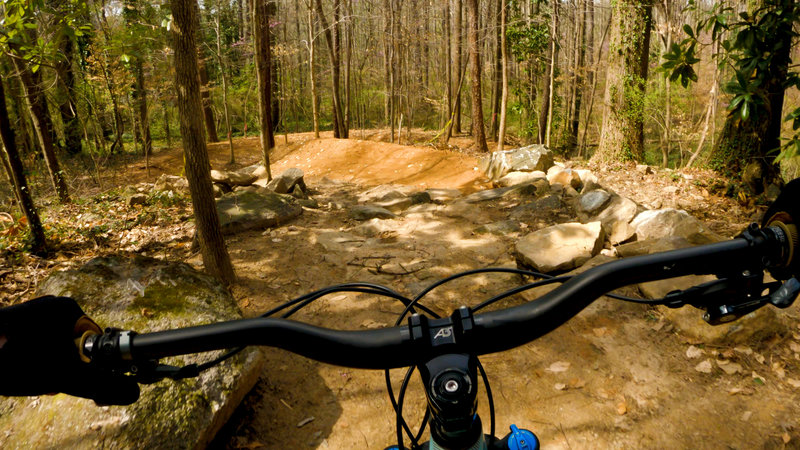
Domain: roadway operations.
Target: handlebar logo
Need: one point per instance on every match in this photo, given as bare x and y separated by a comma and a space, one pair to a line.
443, 333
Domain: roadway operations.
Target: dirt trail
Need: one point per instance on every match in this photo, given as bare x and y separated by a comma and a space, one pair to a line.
628, 382
616, 376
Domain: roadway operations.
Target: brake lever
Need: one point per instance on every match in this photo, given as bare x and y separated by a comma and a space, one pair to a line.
736, 302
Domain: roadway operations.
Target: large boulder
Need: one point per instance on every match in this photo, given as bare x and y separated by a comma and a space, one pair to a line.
515, 178
285, 182
171, 183
560, 247
592, 202
145, 295
232, 178
523, 159
255, 208
665, 222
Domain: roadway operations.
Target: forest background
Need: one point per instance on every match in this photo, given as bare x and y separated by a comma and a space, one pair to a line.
668, 83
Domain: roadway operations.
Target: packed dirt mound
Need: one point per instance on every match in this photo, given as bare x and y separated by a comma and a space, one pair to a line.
373, 163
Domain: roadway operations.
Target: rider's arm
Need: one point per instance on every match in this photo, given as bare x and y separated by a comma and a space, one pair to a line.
39, 355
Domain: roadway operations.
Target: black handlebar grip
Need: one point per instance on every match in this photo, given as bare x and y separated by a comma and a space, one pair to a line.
785, 214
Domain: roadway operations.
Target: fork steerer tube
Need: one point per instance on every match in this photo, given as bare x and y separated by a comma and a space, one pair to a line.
423, 339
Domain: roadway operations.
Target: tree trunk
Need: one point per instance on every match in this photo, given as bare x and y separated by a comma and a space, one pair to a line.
212, 245
37, 105
311, 76
497, 77
331, 38
67, 106
274, 73
448, 59
222, 70
501, 131
20, 184
475, 62
755, 139
205, 89
622, 136
552, 77
261, 36
457, 33
577, 91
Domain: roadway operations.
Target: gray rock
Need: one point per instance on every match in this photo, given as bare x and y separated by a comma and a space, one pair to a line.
665, 222
395, 205
137, 199
249, 209
420, 197
500, 228
489, 194
367, 212
593, 201
443, 195
297, 192
560, 247
218, 192
527, 210
286, 181
515, 178
144, 295
171, 183
644, 169
232, 178
524, 159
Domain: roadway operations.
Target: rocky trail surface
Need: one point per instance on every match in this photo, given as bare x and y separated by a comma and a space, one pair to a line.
619, 375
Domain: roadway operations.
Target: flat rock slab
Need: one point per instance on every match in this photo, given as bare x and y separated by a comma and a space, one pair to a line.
523, 159
233, 178
443, 195
245, 210
489, 194
560, 247
592, 202
145, 295
515, 178
367, 212
665, 222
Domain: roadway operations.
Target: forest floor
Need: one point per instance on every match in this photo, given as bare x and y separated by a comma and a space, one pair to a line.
617, 376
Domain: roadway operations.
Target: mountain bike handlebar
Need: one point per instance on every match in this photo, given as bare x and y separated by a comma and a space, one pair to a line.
739, 259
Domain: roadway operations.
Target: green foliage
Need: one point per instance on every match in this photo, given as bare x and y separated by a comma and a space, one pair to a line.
18, 27
752, 41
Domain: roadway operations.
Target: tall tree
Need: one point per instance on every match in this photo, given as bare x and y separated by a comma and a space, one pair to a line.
458, 59
208, 111
133, 22
212, 245
67, 105
42, 123
475, 63
332, 38
501, 133
23, 193
261, 37
622, 136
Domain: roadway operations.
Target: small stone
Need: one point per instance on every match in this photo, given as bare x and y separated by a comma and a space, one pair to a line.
704, 367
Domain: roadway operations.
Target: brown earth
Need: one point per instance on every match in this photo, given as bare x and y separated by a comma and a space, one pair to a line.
616, 376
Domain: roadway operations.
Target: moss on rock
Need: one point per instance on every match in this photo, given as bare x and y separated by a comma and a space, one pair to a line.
141, 294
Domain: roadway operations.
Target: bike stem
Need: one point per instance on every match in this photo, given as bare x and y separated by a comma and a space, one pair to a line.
450, 382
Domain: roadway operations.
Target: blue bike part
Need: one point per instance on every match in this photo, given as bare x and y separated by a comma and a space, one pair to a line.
522, 439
